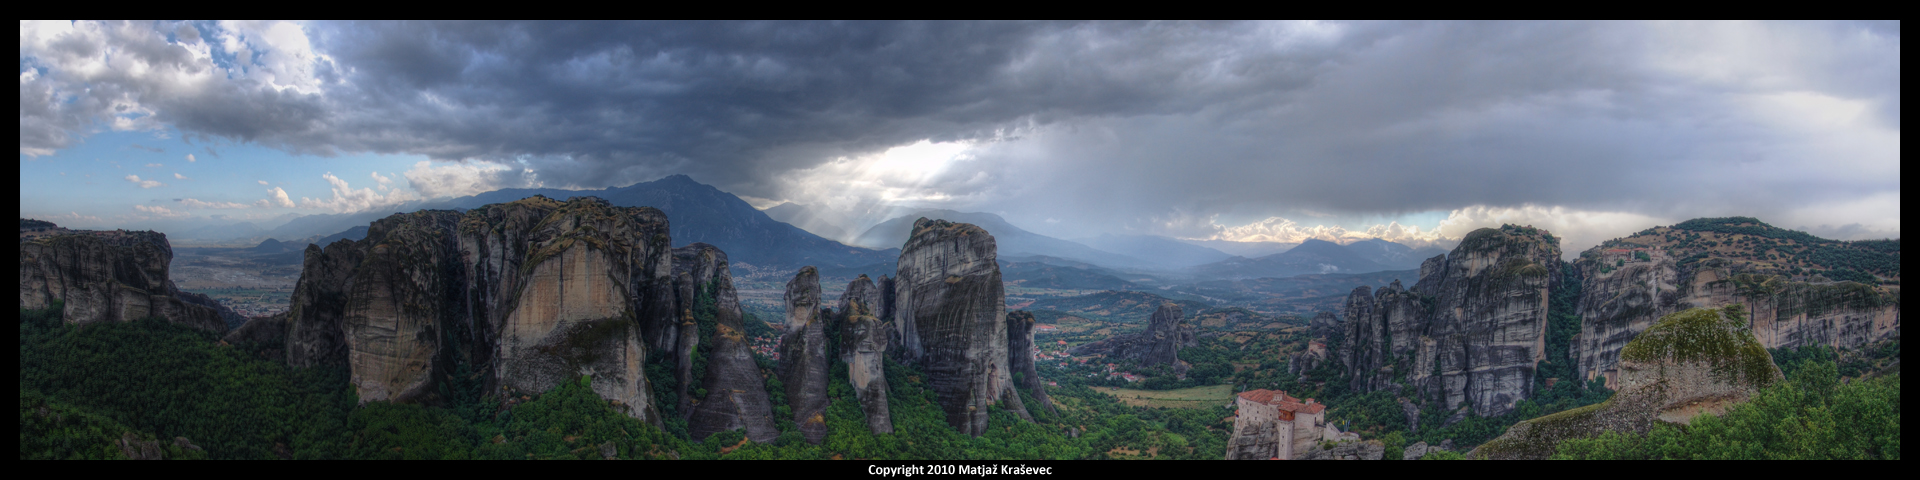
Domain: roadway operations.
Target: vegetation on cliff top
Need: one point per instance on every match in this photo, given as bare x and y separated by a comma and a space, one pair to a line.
1812, 416
1719, 338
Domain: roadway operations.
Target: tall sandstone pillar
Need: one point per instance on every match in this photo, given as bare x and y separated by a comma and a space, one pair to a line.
863, 342
803, 355
950, 312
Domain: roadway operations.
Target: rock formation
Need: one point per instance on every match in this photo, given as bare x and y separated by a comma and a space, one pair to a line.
1159, 344
396, 308
1313, 357
108, 276
950, 312
803, 355
527, 293
565, 289
1689, 363
1619, 301
1470, 332
319, 301
736, 393
863, 342
1349, 450
1020, 352
1323, 325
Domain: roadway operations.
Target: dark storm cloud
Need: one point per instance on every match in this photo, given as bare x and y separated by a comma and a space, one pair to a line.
1153, 126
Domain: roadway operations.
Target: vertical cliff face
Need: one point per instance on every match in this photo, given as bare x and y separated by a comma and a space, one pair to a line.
1623, 295
565, 289
803, 355
1489, 319
1020, 352
1363, 333
529, 293
736, 393
950, 311
109, 276
1471, 331
686, 336
395, 308
863, 340
315, 334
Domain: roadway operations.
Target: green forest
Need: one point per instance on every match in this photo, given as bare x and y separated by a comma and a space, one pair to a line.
83, 388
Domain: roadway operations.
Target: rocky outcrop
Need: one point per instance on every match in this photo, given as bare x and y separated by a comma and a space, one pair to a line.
803, 355
319, 302
108, 276
1421, 449
526, 294
863, 342
1364, 450
1315, 355
1623, 294
1020, 352
396, 305
1323, 325
561, 289
1470, 332
736, 393
1689, 363
950, 312
1160, 344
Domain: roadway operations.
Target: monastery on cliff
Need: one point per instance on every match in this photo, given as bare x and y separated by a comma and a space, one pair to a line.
1271, 425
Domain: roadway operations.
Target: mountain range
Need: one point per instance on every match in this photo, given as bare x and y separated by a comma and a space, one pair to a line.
768, 238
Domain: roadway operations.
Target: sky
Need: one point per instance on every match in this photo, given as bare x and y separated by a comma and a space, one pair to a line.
1263, 131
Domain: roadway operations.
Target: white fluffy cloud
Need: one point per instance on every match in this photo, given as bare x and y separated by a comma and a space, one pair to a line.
346, 199
178, 176
135, 179
190, 158
1282, 230
1578, 229
262, 182
194, 203
161, 212
279, 199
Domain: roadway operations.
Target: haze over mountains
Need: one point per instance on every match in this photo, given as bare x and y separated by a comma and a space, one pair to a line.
756, 238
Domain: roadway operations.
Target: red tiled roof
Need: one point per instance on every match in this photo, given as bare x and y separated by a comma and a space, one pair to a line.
1280, 399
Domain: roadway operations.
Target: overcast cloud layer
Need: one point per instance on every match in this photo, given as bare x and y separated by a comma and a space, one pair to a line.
1245, 131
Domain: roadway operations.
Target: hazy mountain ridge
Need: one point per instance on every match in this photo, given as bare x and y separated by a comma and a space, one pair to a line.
1312, 256
1163, 251
1014, 241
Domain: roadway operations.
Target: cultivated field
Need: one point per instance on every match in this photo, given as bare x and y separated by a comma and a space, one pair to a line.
1210, 396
